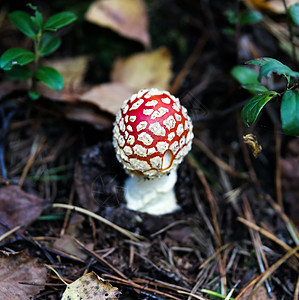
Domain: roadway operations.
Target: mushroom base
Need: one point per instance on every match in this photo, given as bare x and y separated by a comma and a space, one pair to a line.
154, 196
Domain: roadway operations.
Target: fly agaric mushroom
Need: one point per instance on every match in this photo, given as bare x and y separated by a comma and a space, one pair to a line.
151, 135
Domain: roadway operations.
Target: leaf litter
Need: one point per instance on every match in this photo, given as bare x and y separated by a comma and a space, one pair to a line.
216, 244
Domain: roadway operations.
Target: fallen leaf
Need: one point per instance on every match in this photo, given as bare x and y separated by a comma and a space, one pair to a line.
90, 286
18, 208
72, 70
252, 141
275, 6
261, 294
89, 115
108, 96
127, 17
67, 244
144, 70
20, 268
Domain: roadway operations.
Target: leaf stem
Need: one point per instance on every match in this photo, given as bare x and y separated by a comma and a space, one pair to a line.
290, 28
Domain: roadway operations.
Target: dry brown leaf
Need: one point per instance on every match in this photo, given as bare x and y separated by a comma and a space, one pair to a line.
89, 115
90, 286
20, 268
144, 70
67, 244
72, 70
127, 17
18, 208
261, 294
275, 6
108, 96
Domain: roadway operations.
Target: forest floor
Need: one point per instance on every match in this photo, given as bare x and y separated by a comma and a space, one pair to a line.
234, 236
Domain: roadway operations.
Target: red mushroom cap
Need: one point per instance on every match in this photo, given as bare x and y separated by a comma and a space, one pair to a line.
152, 133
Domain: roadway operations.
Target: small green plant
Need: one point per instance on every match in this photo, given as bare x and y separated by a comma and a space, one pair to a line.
289, 109
15, 61
250, 80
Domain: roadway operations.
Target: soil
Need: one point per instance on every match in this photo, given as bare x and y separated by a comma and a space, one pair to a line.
206, 244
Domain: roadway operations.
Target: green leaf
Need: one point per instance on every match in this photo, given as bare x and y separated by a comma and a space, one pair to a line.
244, 75
255, 88
19, 72
289, 111
24, 23
59, 20
15, 56
50, 77
269, 65
49, 44
250, 17
231, 16
294, 13
248, 78
38, 19
253, 107
33, 95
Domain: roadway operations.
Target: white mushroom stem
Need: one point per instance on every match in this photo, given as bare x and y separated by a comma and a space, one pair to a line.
154, 196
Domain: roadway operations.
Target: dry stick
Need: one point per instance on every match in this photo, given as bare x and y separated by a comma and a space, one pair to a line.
191, 295
188, 65
278, 167
135, 285
261, 278
257, 243
296, 293
203, 214
36, 147
221, 164
103, 260
213, 208
223, 280
212, 201
169, 226
271, 270
8, 233
214, 255
290, 225
133, 236
267, 234
68, 212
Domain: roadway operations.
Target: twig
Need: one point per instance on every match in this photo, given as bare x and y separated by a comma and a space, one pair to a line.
272, 269
135, 285
188, 65
257, 244
103, 260
278, 167
36, 147
68, 212
135, 237
8, 233
290, 225
212, 201
221, 164
175, 223
191, 295
203, 214
261, 278
267, 234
